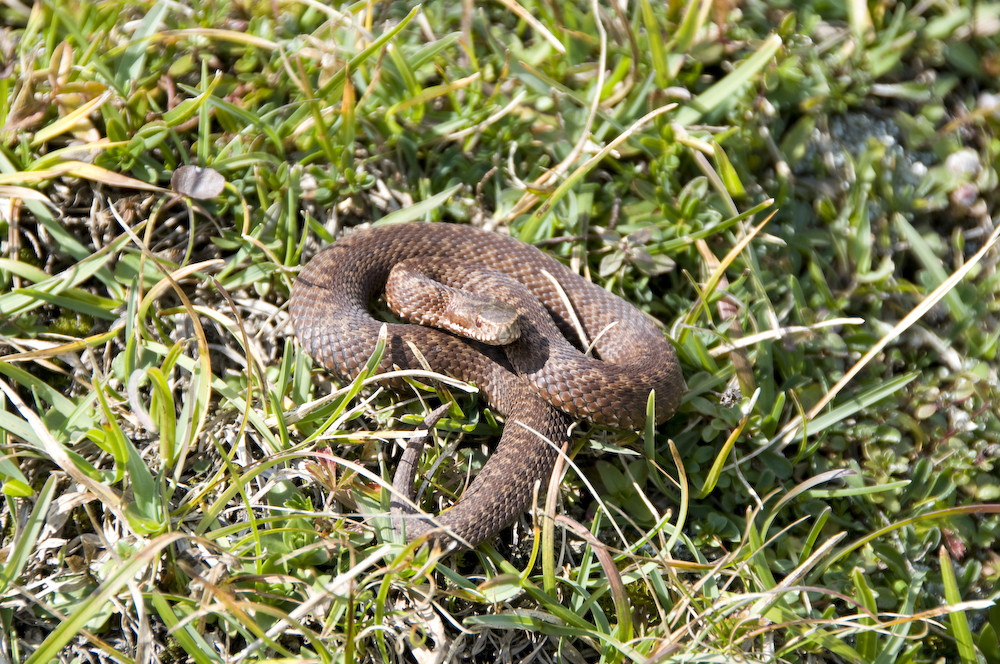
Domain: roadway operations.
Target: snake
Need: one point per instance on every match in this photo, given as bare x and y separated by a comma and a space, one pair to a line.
567, 350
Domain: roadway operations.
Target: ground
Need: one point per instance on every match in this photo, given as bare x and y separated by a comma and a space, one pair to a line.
803, 194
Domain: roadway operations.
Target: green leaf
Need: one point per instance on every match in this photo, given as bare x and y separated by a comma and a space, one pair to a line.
26, 536
133, 61
729, 87
69, 628
187, 636
418, 211
857, 403
866, 642
930, 262
187, 109
958, 620
146, 513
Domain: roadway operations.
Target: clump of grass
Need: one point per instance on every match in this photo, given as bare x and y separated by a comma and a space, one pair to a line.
804, 200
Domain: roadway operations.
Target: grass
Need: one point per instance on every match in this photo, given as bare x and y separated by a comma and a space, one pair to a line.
805, 199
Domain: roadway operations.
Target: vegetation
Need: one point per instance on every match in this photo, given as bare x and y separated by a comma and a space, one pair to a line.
803, 194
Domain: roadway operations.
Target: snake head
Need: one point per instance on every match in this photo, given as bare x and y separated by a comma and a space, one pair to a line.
483, 319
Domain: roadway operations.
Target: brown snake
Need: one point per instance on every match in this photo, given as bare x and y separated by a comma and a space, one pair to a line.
539, 381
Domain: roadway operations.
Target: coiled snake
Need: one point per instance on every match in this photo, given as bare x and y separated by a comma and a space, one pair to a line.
540, 380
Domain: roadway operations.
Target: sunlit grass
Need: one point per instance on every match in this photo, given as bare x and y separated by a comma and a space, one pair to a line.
803, 199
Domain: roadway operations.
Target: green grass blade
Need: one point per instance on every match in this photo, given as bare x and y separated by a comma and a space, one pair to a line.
865, 642
70, 628
728, 87
25, 540
418, 211
958, 620
855, 404
190, 640
131, 66
928, 259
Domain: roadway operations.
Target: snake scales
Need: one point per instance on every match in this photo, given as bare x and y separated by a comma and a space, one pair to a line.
539, 381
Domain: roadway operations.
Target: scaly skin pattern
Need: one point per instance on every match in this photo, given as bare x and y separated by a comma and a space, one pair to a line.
540, 381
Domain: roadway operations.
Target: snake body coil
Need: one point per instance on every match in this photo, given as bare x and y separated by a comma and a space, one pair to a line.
539, 381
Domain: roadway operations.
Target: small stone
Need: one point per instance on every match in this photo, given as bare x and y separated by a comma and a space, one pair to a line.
964, 162
988, 102
197, 182
964, 195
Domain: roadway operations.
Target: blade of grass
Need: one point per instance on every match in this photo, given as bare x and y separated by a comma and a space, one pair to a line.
865, 642
716, 470
928, 259
728, 87
419, 210
26, 537
530, 229
959, 621
57, 639
69, 121
920, 518
81, 170
133, 61
657, 50
186, 635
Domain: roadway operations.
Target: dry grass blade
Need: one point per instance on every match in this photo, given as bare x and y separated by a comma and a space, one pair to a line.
529, 199
782, 333
81, 170
535, 24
